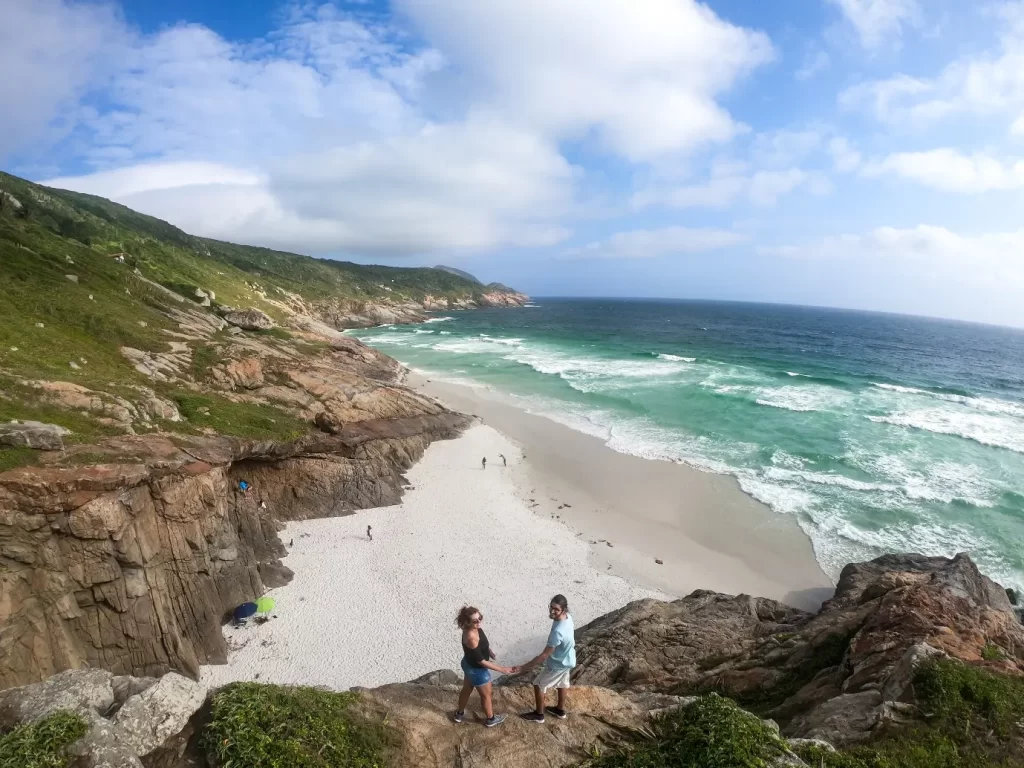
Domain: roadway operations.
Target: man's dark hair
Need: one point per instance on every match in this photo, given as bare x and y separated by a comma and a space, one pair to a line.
561, 602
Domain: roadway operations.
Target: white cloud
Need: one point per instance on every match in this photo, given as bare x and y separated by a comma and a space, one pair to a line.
731, 183
950, 170
340, 134
50, 52
652, 243
979, 84
845, 157
643, 76
469, 186
993, 258
815, 62
877, 21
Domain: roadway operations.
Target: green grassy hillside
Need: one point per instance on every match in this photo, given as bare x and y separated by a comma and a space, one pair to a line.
81, 277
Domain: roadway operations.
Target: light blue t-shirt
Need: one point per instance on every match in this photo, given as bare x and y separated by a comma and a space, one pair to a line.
563, 640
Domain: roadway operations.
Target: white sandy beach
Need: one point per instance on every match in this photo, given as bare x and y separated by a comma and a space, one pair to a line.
368, 613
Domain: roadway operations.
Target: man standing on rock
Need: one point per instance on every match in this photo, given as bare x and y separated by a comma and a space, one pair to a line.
558, 658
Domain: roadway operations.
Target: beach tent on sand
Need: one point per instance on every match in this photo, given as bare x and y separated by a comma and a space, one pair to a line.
246, 611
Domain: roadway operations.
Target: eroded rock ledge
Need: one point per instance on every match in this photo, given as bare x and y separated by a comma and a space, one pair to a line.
131, 565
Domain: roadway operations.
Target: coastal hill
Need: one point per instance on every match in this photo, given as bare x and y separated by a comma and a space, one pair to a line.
144, 373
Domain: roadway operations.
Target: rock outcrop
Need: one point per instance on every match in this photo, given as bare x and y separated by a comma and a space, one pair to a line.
130, 720
837, 675
131, 565
250, 319
33, 434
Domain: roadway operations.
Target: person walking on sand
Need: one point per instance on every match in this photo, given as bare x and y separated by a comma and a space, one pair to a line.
504, 461
369, 533
477, 664
483, 462
558, 658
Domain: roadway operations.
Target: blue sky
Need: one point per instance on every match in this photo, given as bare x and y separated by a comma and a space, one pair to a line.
856, 153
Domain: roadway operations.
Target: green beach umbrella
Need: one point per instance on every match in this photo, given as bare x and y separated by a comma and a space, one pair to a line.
265, 605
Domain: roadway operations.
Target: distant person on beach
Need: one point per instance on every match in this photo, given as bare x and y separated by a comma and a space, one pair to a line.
504, 461
558, 658
477, 663
369, 533
483, 462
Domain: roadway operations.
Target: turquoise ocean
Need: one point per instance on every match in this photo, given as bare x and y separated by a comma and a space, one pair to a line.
877, 433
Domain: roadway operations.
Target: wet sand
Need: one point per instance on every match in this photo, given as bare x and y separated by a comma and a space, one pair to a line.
705, 530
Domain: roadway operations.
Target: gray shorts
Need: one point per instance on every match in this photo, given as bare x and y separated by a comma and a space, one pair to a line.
552, 678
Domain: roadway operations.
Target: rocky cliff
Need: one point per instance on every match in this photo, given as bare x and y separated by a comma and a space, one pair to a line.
144, 373
914, 662
125, 553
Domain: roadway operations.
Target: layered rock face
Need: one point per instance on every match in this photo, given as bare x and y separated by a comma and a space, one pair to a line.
838, 675
127, 553
132, 567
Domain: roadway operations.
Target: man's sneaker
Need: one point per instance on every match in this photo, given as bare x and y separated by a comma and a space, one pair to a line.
559, 713
533, 717
493, 721
459, 717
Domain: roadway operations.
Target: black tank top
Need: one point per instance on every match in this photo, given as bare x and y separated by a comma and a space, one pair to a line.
482, 652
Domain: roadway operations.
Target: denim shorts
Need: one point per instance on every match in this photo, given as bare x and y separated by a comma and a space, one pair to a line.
476, 675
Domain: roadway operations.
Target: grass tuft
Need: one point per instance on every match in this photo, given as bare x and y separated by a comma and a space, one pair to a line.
43, 744
12, 458
272, 726
712, 733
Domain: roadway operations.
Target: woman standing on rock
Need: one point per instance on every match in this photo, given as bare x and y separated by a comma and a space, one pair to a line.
477, 663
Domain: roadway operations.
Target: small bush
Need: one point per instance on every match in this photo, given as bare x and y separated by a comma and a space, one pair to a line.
272, 726
712, 733
238, 419
972, 717
12, 458
43, 744
992, 653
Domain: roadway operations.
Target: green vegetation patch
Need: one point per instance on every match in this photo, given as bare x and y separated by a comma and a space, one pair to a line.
712, 733
238, 419
270, 726
972, 717
43, 744
12, 458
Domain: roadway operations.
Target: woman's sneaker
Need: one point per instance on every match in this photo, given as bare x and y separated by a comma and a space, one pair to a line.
459, 716
493, 721
559, 713
533, 717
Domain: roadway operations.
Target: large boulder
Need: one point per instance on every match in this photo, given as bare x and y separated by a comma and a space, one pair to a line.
422, 712
33, 434
837, 675
122, 731
159, 712
250, 319
84, 691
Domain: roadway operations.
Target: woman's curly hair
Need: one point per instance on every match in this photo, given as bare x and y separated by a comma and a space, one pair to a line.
467, 613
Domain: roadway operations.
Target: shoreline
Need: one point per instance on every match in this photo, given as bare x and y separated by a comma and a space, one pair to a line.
708, 533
